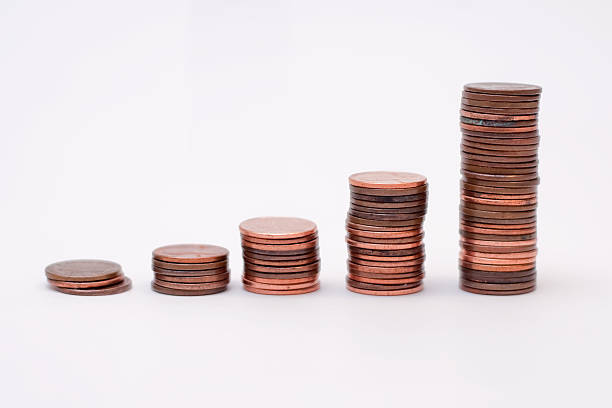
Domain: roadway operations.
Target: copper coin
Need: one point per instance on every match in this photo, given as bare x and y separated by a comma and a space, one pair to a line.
289, 281
386, 252
277, 227
385, 241
384, 258
498, 292
497, 221
83, 270
279, 241
410, 229
503, 88
419, 272
491, 237
171, 272
513, 255
282, 263
190, 253
87, 285
376, 223
486, 155
386, 217
193, 286
499, 177
499, 190
500, 111
381, 232
497, 250
297, 275
375, 270
497, 261
497, 268
499, 196
382, 246
495, 165
488, 129
497, 123
387, 264
532, 149
279, 285
274, 254
492, 140
500, 98
501, 215
504, 280
498, 159
498, 243
401, 205
388, 192
363, 279
282, 247
279, 269
176, 266
502, 184
500, 104
387, 180
193, 279
398, 210
498, 202
282, 292
488, 207
498, 170
513, 135
123, 286
498, 286
373, 286
389, 199
386, 292
496, 275
181, 292
495, 231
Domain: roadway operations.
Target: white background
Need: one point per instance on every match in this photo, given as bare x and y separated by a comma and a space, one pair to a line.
126, 125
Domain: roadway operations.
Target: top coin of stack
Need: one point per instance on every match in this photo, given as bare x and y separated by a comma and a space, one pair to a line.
384, 233
499, 123
87, 277
281, 255
190, 269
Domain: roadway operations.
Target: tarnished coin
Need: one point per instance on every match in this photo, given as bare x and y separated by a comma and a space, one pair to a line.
385, 292
502, 88
383, 246
386, 281
500, 104
389, 192
497, 292
190, 253
500, 98
282, 263
390, 199
374, 286
193, 286
193, 279
498, 286
364, 221
272, 276
172, 272
500, 111
182, 292
275, 280
123, 286
387, 264
280, 269
87, 285
177, 266
401, 205
385, 269
302, 246
83, 270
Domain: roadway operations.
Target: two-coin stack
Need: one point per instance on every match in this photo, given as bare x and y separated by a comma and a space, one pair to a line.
384, 233
190, 269
499, 123
87, 277
281, 255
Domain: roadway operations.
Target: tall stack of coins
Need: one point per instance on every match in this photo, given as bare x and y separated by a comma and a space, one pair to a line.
385, 232
281, 255
499, 122
87, 277
190, 269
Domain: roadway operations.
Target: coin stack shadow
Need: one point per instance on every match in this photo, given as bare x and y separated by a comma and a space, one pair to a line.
87, 277
190, 269
384, 233
499, 124
281, 255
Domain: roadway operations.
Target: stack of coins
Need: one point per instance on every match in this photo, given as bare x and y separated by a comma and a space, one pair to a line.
87, 277
281, 255
384, 233
499, 122
190, 269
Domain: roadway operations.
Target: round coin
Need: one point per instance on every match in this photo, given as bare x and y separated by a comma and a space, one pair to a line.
502, 88
190, 253
387, 180
83, 270
121, 287
277, 227
88, 284
182, 292
282, 292
386, 292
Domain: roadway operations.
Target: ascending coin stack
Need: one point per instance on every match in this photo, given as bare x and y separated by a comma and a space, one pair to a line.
87, 277
385, 232
281, 255
499, 122
190, 269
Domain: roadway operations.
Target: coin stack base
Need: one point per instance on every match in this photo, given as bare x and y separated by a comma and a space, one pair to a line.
281, 255
190, 269
384, 233
87, 277
499, 124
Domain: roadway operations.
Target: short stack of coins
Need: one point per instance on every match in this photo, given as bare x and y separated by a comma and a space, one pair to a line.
385, 232
499, 124
87, 277
281, 255
190, 269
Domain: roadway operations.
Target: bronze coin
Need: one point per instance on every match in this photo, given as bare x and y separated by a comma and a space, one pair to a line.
279, 241
497, 268
298, 252
497, 275
500, 104
491, 237
282, 292
387, 180
252, 278
401, 205
278, 285
362, 269
190, 253
506, 280
499, 177
297, 275
123, 286
378, 223
532, 149
501, 215
286, 269
383, 233
281, 263
383, 229
388, 192
500, 196
385, 241
497, 123
172, 272
497, 292
176, 266
500, 98
87, 285
499, 202
192, 286
383, 246
503, 88
513, 255
281, 247
497, 135
277, 227
500, 111
498, 286
419, 273
499, 190
492, 140
401, 253
502, 184
83, 270
499, 221
495, 231
387, 217
498, 159
499, 171
497, 250
488, 207
357, 253
387, 264
192, 279
403, 210
394, 281
181, 292
519, 155
373, 286
494, 165
496, 261
385, 292
389, 199
499, 243
488, 129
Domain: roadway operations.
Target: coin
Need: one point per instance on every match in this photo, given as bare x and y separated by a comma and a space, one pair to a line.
123, 286
498, 190
512, 255
494, 97
282, 292
393, 281
498, 292
376, 223
400, 205
388, 269
493, 140
192, 286
272, 276
389, 199
281, 247
385, 292
386, 216
374, 286
498, 286
387, 180
83, 270
279, 269
277, 241
383, 246
502, 88
277, 281
177, 266
279, 285
513, 135
182, 292
401, 210
190, 253
385, 241
281, 263
277, 227
204, 272
193, 279
87, 284
389, 192
499, 104
497, 268
498, 171
387, 263
500, 111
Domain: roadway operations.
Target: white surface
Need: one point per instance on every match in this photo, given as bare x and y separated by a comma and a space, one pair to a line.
129, 125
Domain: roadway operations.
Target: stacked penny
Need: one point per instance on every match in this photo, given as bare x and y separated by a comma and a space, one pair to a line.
281, 255
87, 277
385, 232
190, 269
499, 123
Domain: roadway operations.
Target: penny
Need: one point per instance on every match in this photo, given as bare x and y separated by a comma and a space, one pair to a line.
83, 270
281, 263
281, 269
363, 269
498, 123
385, 258
500, 98
193, 286
282, 292
190, 253
383, 229
390, 192
492, 237
513, 255
504, 280
498, 159
499, 190
402, 210
496, 249
532, 149
499, 243
519, 155
281, 247
277, 227
123, 286
496, 221
488, 129
401, 205
497, 268
500, 104
389, 199
404, 223
497, 261
502, 184
373, 286
386, 255
500, 111
498, 292
387, 264
387, 180
88, 284
387, 217
499, 177
277, 241
497, 286
500, 196
171, 272
181, 292
489, 207
503, 88
386, 292
499, 171
385, 241
262, 254
193, 279
496, 165
394, 281
491, 140
176, 266
387, 252
418, 272
383, 246
273, 276
497, 135
495, 231
383, 233
502, 215
500, 117
498, 202
275, 280
279, 285
497, 275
